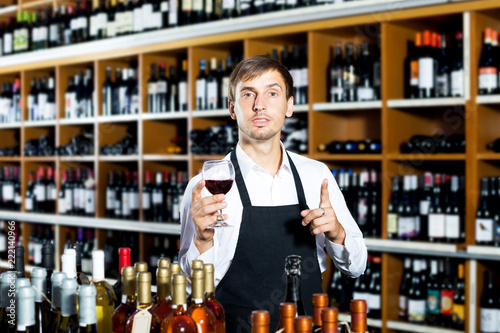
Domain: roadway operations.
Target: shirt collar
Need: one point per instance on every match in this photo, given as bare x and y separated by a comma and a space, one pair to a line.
247, 164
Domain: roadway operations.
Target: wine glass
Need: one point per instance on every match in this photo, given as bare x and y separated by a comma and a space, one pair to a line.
219, 177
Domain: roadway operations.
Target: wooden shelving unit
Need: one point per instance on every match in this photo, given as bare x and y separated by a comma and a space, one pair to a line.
393, 119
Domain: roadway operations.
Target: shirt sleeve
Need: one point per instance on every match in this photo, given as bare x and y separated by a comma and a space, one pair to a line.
351, 257
188, 251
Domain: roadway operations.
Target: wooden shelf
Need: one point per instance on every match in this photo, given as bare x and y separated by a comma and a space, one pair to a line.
10, 159
31, 5
124, 158
427, 157
347, 157
118, 118
10, 125
347, 106
40, 158
165, 116
40, 123
77, 158
484, 250
303, 108
425, 103
488, 99
77, 121
210, 113
488, 156
8, 10
415, 247
371, 322
94, 222
408, 327
158, 157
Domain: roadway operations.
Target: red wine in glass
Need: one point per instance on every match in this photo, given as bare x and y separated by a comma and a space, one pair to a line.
218, 186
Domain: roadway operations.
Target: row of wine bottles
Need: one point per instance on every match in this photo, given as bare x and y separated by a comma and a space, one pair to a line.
10, 102
42, 99
354, 75
352, 147
434, 66
362, 195
488, 212
40, 196
80, 144
77, 192
296, 62
80, 97
10, 188
168, 94
213, 140
122, 95
489, 306
424, 144
489, 65
434, 296
126, 146
44, 146
427, 207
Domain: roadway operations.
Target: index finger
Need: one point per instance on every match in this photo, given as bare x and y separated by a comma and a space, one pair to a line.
197, 192
325, 196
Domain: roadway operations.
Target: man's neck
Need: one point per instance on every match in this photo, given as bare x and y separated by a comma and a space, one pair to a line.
266, 154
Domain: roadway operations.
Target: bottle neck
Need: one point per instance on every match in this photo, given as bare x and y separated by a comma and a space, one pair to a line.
293, 290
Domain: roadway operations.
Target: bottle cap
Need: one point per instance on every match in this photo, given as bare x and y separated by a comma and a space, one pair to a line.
128, 281
198, 283
163, 262
179, 289
97, 265
48, 256
57, 279
140, 266
197, 264
320, 300
329, 315
163, 280
87, 304
22, 282
39, 280
209, 278
26, 299
260, 318
288, 310
68, 297
303, 324
358, 315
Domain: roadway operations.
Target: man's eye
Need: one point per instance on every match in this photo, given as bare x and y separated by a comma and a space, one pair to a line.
273, 93
247, 95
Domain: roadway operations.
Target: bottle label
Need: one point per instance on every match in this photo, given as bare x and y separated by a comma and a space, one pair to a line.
93, 26
152, 88
488, 78
161, 87
7, 43
362, 211
42, 102
365, 94
81, 198
403, 305
164, 6
484, 230
37, 259
225, 88
212, 93
447, 302
67, 36
125, 204
34, 35
134, 104
436, 225
414, 73
43, 34
68, 195
157, 20
187, 5
201, 86
197, 5
373, 301
182, 93
452, 226
416, 310
157, 198
138, 19
426, 73
392, 223
111, 29
8, 192
52, 194
146, 200
50, 110
102, 22
172, 14
457, 83
295, 73
424, 207
147, 12
336, 92
17, 198
406, 226
458, 315
40, 193
89, 201
228, 4
134, 200
176, 211
304, 76
110, 199
62, 205
489, 320
142, 322
442, 85
28, 204
433, 301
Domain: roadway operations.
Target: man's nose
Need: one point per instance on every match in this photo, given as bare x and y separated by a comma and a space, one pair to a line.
259, 104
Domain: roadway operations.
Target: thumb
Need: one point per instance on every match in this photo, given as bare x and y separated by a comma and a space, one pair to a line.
325, 196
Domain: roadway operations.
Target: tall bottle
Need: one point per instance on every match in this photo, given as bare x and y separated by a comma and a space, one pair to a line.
288, 311
426, 69
433, 311
488, 306
293, 294
144, 303
319, 302
26, 320
123, 261
6, 301
392, 216
335, 75
128, 300
201, 87
210, 300
458, 312
183, 101
404, 289
484, 219
105, 295
436, 221
19, 261
416, 297
42, 307
69, 315
163, 307
179, 314
55, 310
87, 308
488, 72
203, 317
358, 316
260, 320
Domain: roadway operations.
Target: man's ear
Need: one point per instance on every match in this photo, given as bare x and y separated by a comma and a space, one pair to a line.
289, 111
230, 106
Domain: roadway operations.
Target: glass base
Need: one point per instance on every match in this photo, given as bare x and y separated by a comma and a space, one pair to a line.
219, 224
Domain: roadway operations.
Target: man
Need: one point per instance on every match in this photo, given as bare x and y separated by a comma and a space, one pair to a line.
281, 204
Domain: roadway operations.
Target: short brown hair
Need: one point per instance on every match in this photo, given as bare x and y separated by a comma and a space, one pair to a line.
255, 66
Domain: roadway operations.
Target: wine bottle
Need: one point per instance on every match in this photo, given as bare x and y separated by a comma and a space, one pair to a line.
144, 305
128, 300
212, 86
329, 318
201, 88
146, 198
404, 289
183, 103
458, 309
365, 91
454, 221
358, 316
105, 295
303, 324
163, 298
26, 319
416, 297
406, 213
293, 293
392, 216
158, 199
412, 66
210, 300
488, 305
89, 194
110, 195
55, 310
426, 68
447, 295
203, 317
443, 70
374, 291
319, 301
87, 308
42, 307
124, 261
19, 261
436, 219
8, 37
7, 301
288, 312
260, 320
484, 220
69, 315
179, 314
350, 72
488, 72
335, 75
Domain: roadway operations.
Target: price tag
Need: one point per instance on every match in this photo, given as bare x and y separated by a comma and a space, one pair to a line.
142, 322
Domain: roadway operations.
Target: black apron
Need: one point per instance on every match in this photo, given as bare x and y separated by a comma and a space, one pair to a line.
256, 277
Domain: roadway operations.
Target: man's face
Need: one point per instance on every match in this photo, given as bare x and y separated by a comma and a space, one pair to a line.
261, 106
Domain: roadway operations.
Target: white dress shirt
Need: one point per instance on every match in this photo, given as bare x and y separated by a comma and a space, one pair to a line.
266, 190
